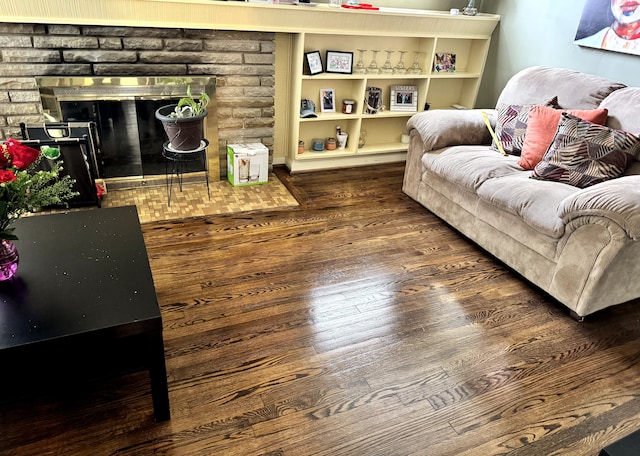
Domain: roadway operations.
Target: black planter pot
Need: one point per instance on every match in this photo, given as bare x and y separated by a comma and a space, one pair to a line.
184, 133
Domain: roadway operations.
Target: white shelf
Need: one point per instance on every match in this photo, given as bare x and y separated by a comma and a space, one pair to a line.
383, 129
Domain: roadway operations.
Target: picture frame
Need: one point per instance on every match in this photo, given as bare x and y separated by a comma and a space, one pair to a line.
327, 100
313, 63
444, 62
339, 62
404, 98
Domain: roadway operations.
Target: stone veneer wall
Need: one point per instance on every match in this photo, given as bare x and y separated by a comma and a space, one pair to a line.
243, 63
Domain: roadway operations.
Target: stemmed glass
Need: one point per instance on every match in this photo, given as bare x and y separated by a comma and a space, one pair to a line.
362, 140
415, 68
360, 68
387, 68
373, 67
400, 68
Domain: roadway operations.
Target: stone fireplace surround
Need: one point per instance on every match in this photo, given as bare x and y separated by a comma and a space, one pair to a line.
242, 62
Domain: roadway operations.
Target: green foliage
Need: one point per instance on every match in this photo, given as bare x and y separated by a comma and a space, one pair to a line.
190, 106
32, 190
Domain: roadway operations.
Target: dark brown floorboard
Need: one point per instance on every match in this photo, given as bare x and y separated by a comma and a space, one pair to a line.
355, 324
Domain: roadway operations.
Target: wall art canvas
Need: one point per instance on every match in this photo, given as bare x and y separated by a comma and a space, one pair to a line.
613, 25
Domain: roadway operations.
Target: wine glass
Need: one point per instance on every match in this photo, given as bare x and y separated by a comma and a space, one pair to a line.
387, 68
373, 67
415, 68
360, 67
362, 140
400, 68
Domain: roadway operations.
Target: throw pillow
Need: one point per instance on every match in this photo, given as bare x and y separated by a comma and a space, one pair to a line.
583, 154
541, 128
511, 125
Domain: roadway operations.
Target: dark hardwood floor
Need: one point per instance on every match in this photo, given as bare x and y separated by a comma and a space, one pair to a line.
356, 324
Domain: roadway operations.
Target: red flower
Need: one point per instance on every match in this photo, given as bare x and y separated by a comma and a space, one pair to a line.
21, 156
6, 176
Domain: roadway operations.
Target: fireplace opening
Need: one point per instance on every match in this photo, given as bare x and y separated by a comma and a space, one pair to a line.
129, 137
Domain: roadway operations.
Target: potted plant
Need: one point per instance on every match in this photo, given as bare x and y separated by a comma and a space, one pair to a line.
184, 122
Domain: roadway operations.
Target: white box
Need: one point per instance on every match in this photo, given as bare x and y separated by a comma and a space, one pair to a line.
247, 164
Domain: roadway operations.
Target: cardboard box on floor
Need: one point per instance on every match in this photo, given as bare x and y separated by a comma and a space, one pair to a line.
247, 164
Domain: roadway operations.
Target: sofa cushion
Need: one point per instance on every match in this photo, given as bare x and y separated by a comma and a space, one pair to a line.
623, 109
470, 166
511, 125
584, 154
541, 128
575, 90
534, 201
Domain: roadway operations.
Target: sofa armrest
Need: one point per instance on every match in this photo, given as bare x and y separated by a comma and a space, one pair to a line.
617, 200
443, 127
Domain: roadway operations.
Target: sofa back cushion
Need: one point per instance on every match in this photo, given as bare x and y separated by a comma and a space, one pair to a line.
624, 110
575, 90
622, 106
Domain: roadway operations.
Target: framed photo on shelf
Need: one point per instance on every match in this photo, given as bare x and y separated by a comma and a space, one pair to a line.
339, 62
312, 63
404, 98
444, 62
327, 100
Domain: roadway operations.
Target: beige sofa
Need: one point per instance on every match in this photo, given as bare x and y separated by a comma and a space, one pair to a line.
580, 245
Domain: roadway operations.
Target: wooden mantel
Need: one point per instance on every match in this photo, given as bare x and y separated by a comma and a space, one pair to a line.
221, 15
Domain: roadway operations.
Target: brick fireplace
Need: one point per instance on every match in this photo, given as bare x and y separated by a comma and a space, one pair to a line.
242, 63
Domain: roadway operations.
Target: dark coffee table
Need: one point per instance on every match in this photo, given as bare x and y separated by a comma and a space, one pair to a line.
83, 302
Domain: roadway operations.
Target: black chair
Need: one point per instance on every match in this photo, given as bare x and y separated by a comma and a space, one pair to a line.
73, 154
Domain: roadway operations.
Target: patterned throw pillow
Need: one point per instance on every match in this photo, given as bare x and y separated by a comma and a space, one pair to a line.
583, 154
511, 125
542, 127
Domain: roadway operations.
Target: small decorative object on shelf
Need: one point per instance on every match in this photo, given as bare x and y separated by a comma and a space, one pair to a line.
400, 68
470, 9
362, 140
387, 68
23, 188
373, 67
444, 62
348, 106
317, 144
404, 98
373, 102
360, 67
342, 140
415, 68
339, 62
312, 63
327, 100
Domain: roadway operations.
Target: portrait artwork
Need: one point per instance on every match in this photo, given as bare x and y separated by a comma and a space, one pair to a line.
613, 25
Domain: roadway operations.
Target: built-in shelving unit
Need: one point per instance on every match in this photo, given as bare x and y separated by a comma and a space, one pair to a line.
383, 130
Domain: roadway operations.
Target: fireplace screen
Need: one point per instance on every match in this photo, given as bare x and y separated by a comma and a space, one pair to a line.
130, 138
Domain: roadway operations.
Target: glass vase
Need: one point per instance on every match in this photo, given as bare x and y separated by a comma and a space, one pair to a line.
9, 259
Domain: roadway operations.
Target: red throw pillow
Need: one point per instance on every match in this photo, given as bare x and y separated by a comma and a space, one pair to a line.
541, 128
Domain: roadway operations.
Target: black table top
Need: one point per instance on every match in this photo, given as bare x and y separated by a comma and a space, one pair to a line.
80, 272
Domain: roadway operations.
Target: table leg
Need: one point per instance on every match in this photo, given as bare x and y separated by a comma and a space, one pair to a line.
158, 376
